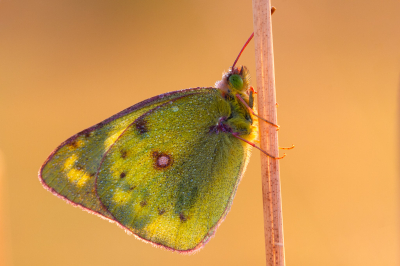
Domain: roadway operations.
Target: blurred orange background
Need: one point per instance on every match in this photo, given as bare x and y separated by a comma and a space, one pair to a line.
66, 65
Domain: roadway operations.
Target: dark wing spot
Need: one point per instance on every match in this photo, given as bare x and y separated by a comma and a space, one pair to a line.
182, 217
143, 203
92, 191
88, 134
132, 187
161, 160
161, 211
78, 167
141, 125
73, 144
122, 175
123, 154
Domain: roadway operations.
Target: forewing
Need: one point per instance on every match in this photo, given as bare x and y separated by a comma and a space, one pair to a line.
70, 170
168, 178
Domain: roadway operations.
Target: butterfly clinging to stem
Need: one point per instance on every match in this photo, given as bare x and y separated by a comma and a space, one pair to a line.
165, 169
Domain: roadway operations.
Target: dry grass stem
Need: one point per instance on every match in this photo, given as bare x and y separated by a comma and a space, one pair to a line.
265, 73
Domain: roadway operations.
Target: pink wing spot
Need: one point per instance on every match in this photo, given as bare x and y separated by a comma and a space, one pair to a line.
162, 160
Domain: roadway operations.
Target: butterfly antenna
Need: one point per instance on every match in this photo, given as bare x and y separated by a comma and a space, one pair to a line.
251, 37
241, 51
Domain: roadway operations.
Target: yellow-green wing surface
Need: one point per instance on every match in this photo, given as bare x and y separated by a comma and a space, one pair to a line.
69, 172
168, 178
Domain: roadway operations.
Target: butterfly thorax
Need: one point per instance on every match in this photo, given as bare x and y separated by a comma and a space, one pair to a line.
236, 83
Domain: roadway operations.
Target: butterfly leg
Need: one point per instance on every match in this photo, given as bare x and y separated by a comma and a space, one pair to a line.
252, 90
236, 135
251, 111
287, 148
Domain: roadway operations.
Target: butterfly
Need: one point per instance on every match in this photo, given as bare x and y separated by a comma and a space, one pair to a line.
165, 169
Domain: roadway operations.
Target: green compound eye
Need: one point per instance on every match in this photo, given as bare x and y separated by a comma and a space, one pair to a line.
236, 82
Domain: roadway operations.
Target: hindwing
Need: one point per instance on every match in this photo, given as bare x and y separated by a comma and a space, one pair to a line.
168, 178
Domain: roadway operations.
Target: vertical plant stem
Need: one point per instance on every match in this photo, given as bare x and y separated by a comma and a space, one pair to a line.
273, 224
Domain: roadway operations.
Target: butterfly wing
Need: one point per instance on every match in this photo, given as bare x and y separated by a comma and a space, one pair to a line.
168, 178
69, 172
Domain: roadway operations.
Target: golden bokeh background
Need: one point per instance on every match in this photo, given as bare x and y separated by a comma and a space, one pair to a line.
68, 64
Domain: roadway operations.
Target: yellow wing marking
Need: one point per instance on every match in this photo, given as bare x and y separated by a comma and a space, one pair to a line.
121, 197
112, 138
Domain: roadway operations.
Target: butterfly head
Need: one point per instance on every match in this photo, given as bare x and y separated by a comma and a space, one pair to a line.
236, 80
